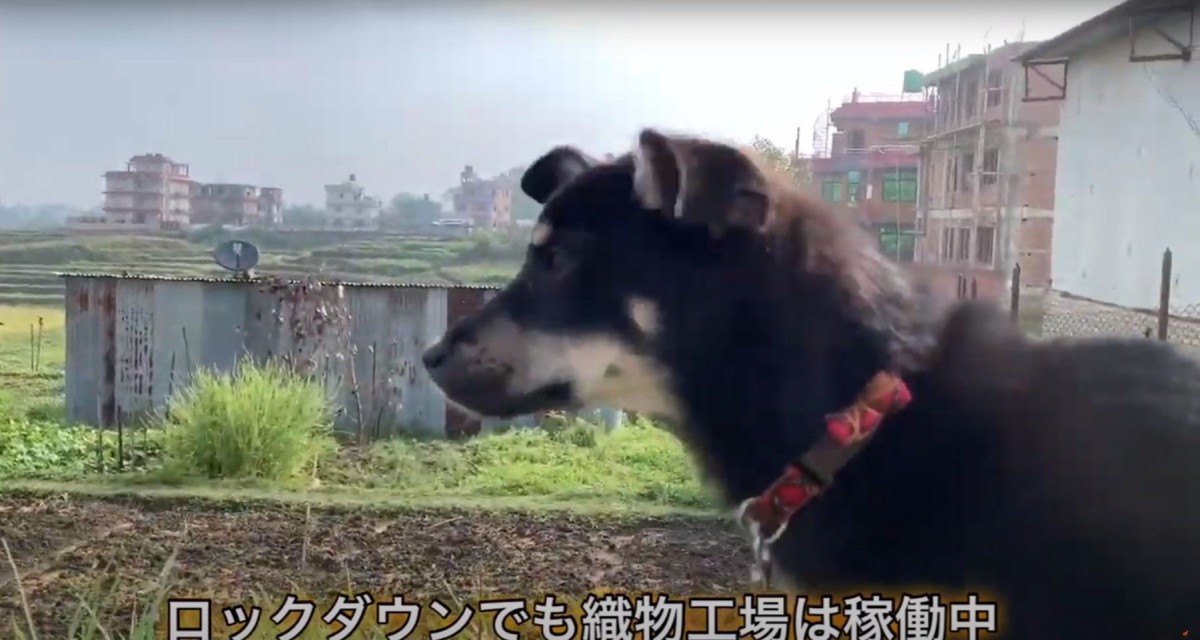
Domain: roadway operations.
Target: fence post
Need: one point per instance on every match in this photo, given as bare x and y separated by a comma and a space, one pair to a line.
1164, 296
1014, 295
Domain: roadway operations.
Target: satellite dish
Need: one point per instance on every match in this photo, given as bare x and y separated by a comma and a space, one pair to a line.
236, 255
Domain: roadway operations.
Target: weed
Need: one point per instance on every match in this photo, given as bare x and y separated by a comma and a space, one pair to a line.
259, 421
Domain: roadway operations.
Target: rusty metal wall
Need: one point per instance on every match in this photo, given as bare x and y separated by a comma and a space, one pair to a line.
132, 341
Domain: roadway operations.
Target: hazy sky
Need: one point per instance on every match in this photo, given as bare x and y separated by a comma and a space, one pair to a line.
297, 95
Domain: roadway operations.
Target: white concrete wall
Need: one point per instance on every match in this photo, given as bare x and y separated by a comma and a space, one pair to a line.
1128, 183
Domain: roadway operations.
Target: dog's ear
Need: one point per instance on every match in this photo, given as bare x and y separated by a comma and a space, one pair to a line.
700, 181
554, 169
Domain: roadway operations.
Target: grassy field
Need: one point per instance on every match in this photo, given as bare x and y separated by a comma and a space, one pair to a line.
28, 260
625, 506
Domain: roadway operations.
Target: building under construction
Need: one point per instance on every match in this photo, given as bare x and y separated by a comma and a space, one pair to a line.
988, 158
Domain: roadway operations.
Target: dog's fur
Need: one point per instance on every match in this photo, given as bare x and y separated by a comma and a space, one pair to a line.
686, 281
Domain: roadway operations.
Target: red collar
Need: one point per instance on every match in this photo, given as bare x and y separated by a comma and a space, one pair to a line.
846, 432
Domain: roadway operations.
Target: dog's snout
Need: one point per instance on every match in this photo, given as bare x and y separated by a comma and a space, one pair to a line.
436, 355
458, 336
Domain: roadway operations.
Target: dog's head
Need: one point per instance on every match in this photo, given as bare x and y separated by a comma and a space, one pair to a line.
624, 253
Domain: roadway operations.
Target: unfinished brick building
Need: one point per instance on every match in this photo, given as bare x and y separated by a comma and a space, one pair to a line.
987, 181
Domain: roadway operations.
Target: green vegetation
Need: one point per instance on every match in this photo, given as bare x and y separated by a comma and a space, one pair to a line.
28, 259
265, 428
256, 422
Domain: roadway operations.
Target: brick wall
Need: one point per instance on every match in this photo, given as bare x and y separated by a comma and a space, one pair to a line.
1038, 159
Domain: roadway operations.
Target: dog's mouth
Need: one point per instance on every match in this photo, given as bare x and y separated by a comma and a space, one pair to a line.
495, 403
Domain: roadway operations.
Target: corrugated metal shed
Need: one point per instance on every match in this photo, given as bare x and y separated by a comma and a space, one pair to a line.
133, 339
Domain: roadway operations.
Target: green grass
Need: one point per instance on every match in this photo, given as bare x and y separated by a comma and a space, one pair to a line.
28, 259
238, 430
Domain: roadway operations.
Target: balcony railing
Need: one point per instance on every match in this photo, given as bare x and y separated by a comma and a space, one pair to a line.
882, 149
883, 97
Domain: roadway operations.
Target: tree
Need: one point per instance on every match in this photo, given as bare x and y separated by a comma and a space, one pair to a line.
301, 216
409, 209
797, 167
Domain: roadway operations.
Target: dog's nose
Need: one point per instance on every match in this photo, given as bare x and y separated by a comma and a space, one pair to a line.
436, 355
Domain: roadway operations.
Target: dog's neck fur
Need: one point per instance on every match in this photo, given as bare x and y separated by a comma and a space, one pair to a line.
793, 363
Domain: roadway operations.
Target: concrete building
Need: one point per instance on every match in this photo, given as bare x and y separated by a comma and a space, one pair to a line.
152, 193
869, 164
349, 206
155, 193
236, 205
987, 180
1128, 179
486, 203
270, 205
226, 204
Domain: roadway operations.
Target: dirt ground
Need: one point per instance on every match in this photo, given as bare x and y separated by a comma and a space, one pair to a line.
65, 546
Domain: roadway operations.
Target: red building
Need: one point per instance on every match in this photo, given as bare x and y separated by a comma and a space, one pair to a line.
870, 163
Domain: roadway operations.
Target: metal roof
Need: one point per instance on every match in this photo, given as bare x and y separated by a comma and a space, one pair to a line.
1097, 29
268, 280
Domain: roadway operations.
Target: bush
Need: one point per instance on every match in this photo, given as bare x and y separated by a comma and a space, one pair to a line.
262, 421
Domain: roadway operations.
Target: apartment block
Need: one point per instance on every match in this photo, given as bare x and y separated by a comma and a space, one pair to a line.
152, 192
866, 160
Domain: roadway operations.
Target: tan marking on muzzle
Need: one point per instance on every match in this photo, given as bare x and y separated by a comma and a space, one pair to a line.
602, 371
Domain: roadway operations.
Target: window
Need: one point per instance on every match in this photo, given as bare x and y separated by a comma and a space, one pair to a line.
968, 167
953, 174
985, 243
902, 130
995, 90
897, 244
947, 244
831, 190
964, 244
857, 139
900, 186
991, 165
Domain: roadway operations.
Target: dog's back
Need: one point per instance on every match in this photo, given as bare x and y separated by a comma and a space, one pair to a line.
1061, 474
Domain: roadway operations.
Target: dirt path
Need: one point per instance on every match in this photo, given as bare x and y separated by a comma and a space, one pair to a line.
65, 546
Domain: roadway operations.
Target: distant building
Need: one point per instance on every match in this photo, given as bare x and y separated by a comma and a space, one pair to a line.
987, 185
1127, 178
236, 205
870, 164
486, 203
270, 205
153, 192
349, 206
226, 204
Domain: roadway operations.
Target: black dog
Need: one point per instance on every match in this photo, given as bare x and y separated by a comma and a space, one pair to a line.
685, 281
